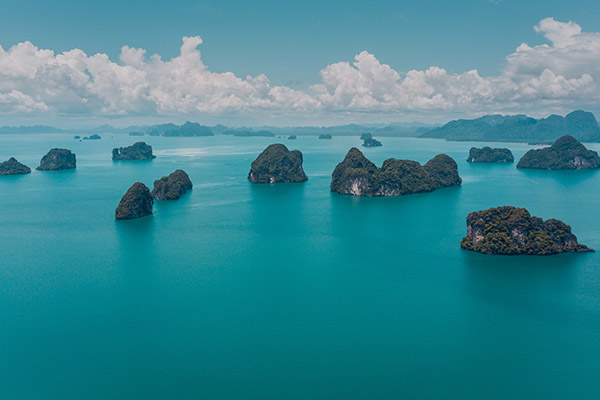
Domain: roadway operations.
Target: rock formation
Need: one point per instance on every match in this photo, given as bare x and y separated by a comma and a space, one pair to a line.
366, 135
137, 151
277, 164
488, 155
512, 231
13, 167
565, 153
358, 176
58, 159
136, 203
172, 187
370, 142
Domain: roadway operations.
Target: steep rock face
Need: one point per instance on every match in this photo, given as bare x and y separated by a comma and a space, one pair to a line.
277, 164
358, 176
512, 231
136, 203
490, 155
13, 167
58, 159
172, 187
137, 151
370, 142
565, 153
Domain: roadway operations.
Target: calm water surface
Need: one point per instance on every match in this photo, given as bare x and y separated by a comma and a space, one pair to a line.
241, 291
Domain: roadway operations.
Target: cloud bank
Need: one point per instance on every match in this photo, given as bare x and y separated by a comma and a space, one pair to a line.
558, 75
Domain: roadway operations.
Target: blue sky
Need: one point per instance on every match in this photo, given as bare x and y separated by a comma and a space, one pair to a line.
291, 42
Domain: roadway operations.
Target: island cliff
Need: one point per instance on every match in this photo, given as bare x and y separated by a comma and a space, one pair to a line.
137, 151
565, 153
277, 164
136, 203
512, 231
358, 176
488, 155
58, 159
172, 187
13, 167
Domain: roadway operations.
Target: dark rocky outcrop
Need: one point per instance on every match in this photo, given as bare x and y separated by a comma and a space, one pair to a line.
565, 153
172, 187
13, 167
358, 176
137, 151
277, 164
292, 137
490, 155
136, 203
370, 142
325, 136
58, 159
76, 137
366, 135
512, 231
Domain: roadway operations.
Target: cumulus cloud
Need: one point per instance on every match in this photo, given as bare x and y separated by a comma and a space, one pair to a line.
562, 72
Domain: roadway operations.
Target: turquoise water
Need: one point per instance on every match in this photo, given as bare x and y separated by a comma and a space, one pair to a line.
241, 291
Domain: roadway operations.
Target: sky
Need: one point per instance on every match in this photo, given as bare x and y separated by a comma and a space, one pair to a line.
295, 63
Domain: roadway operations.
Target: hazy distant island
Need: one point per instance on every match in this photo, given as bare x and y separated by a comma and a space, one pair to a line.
358, 176
137, 151
370, 142
277, 164
366, 135
58, 159
565, 153
490, 155
325, 136
93, 137
249, 133
520, 128
292, 137
188, 129
172, 187
137, 202
13, 167
512, 231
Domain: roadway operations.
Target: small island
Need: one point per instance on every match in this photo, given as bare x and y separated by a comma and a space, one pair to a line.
366, 135
137, 151
370, 142
325, 136
277, 164
76, 137
490, 155
13, 167
136, 203
512, 231
58, 159
565, 153
172, 187
358, 176
292, 137
93, 137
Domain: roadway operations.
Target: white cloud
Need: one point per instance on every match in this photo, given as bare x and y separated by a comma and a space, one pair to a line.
563, 72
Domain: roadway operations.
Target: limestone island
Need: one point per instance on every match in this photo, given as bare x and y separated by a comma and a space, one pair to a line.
565, 153
136, 203
172, 187
370, 142
58, 159
292, 137
358, 176
93, 137
490, 155
512, 231
325, 136
137, 151
13, 167
366, 135
277, 164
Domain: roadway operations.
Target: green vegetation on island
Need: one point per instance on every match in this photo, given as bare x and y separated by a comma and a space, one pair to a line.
13, 167
358, 176
520, 128
277, 164
511, 231
58, 159
137, 151
172, 187
490, 155
565, 153
137, 202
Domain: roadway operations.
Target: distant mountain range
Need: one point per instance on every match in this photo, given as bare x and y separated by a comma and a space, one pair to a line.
520, 128
490, 128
